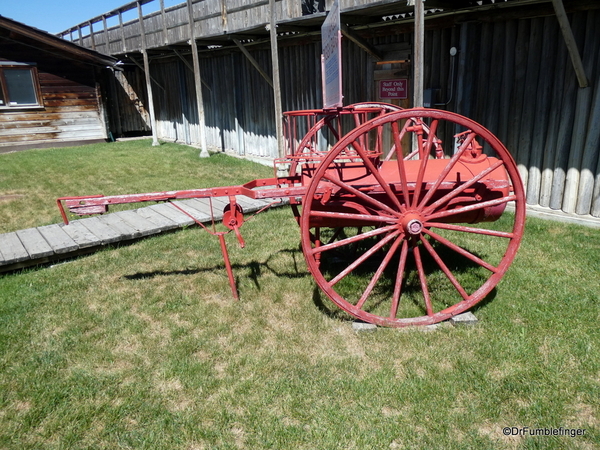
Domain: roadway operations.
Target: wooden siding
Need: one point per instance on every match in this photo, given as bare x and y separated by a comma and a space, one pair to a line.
70, 112
516, 78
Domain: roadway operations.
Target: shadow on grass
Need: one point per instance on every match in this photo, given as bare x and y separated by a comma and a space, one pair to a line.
293, 269
255, 268
329, 309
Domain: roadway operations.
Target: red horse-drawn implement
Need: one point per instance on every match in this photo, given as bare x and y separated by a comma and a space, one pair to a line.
386, 200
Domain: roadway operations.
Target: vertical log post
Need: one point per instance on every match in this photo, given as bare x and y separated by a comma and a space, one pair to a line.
276, 81
163, 17
147, 73
106, 42
418, 52
583, 109
224, 16
197, 82
92, 35
124, 48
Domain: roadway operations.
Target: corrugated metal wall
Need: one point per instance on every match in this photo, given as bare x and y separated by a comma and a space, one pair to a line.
515, 77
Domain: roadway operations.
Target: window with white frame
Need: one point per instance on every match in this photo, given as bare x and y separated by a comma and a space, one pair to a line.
19, 86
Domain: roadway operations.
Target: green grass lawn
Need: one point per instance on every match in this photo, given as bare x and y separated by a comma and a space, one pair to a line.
142, 346
31, 181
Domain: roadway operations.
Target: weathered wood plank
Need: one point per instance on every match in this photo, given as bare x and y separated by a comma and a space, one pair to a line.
102, 231
34, 243
12, 249
58, 239
144, 226
81, 235
197, 209
162, 222
7, 118
73, 130
218, 203
172, 213
126, 231
250, 204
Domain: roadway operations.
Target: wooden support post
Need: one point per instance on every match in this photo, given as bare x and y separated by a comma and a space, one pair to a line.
197, 82
164, 21
148, 78
418, 52
106, 48
224, 16
92, 35
276, 81
581, 156
122, 31
567, 32
588, 178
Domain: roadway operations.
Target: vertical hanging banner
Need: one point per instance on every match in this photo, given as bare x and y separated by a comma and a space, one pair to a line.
331, 58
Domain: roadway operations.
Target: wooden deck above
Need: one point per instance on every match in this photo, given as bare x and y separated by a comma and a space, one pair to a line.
217, 22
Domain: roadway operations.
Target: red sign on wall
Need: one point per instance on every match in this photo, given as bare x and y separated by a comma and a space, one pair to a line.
393, 88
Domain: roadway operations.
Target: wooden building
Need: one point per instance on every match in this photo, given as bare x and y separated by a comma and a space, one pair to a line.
529, 70
49, 90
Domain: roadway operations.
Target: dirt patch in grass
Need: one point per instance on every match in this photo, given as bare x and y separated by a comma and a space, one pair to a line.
10, 197
584, 416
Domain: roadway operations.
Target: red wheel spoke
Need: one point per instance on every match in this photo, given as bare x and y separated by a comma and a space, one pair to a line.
424, 156
430, 137
360, 194
379, 271
448, 226
395, 148
399, 280
353, 239
351, 216
379, 148
400, 162
357, 122
442, 176
447, 272
366, 255
423, 280
461, 251
450, 195
375, 172
476, 206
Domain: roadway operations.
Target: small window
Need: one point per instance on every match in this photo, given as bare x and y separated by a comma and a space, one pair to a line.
19, 86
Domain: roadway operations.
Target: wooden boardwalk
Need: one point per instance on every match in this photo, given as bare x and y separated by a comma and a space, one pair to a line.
50, 243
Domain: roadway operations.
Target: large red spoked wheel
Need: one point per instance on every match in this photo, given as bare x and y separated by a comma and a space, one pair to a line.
393, 241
